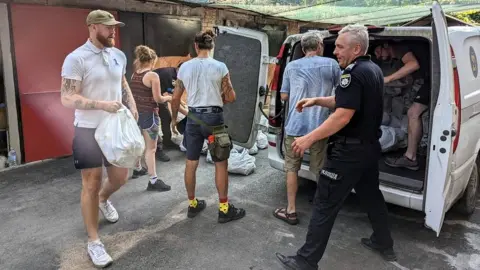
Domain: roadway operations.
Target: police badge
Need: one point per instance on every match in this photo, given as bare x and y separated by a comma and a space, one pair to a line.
345, 80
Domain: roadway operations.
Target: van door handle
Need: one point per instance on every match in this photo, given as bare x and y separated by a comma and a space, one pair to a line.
262, 91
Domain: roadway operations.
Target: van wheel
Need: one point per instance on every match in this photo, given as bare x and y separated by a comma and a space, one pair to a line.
466, 205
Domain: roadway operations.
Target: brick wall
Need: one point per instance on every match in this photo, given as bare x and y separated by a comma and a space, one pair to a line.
210, 16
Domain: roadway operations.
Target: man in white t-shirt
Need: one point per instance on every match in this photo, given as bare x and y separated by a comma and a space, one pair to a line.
208, 86
93, 79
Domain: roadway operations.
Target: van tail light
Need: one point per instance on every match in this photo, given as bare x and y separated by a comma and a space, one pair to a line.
458, 102
272, 112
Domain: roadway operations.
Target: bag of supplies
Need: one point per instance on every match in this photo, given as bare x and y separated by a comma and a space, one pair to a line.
120, 139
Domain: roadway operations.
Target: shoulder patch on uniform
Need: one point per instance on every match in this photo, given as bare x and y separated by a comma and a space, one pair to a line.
345, 80
350, 67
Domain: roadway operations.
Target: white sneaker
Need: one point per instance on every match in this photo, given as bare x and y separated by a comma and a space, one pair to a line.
108, 211
98, 254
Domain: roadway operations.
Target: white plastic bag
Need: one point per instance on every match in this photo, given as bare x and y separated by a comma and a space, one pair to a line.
392, 138
254, 150
241, 163
204, 148
209, 158
120, 139
238, 148
262, 140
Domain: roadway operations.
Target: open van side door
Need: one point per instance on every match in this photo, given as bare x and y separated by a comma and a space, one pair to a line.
245, 52
439, 186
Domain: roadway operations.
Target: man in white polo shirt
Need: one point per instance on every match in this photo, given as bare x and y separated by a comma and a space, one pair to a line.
93, 80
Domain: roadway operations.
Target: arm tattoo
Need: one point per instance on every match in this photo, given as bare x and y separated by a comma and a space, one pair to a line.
180, 85
127, 97
91, 104
70, 91
226, 84
68, 87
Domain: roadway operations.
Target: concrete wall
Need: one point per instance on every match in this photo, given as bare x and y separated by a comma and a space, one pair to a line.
9, 81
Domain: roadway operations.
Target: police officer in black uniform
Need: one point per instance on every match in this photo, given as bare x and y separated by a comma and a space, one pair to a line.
353, 152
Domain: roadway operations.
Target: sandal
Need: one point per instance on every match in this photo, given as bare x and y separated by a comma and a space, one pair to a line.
290, 218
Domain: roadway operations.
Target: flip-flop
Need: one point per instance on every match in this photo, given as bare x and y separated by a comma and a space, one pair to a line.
290, 218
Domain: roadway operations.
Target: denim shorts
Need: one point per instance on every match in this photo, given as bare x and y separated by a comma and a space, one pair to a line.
149, 122
196, 133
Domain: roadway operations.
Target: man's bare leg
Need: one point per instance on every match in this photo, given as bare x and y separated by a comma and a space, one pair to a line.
227, 211
91, 182
117, 177
221, 179
191, 178
195, 206
292, 188
415, 129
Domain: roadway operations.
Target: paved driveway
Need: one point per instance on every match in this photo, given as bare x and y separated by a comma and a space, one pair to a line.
41, 225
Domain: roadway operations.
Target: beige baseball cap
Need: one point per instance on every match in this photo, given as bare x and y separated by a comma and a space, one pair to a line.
102, 17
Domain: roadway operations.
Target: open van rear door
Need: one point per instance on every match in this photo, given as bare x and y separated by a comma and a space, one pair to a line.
439, 185
245, 52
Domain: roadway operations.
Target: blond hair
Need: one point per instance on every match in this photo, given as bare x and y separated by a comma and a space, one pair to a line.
144, 55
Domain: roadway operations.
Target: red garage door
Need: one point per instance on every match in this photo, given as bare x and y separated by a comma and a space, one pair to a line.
42, 37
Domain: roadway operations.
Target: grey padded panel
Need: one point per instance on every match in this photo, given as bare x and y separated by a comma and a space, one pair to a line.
131, 36
242, 56
171, 36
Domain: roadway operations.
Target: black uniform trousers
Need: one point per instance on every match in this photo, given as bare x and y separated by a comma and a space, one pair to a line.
348, 166
165, 122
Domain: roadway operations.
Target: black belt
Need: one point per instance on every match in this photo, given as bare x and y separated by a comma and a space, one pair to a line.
213, 109
350, 140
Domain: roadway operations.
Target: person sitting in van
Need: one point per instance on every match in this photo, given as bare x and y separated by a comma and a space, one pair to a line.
307, 77
406, 63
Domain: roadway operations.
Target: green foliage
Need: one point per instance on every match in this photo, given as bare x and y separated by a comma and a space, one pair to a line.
469, 16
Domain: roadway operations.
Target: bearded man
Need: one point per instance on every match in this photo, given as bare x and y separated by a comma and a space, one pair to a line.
93, 83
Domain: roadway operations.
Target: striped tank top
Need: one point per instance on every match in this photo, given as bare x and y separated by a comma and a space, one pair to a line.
142, 94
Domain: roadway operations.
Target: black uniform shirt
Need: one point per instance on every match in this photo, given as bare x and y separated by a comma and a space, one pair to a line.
167, 76
361, 89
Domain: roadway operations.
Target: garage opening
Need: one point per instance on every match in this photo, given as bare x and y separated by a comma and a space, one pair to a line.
398, 97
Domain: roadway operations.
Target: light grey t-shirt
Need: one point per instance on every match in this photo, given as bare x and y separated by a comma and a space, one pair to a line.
308, 77
101, 72
202, 78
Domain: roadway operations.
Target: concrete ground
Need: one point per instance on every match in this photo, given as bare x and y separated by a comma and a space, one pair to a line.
41, 225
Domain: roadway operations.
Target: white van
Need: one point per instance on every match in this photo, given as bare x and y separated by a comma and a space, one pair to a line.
452, 161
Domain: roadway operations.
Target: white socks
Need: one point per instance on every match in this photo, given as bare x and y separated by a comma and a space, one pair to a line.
153, 179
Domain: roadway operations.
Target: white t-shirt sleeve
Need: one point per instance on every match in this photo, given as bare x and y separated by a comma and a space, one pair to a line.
124, 63
224, 70
72, 68
180, 73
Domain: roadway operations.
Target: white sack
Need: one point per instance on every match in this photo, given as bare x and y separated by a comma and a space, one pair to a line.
120, 139
254, 150
238, 148
241, 163
392, 138
262, 140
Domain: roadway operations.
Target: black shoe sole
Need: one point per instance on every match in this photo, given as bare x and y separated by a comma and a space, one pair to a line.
159, 190
403, 167
385, 257
228, 219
